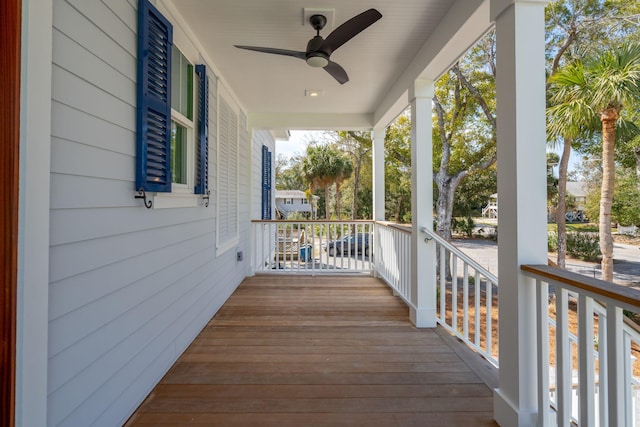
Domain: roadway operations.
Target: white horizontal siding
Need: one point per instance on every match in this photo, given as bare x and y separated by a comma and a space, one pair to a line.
129, 287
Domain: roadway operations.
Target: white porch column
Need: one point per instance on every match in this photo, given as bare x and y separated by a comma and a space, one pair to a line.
378, 190
423, 283
33, 244
522, 228
378, 174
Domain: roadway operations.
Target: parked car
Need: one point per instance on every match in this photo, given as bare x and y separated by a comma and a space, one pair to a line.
349, 245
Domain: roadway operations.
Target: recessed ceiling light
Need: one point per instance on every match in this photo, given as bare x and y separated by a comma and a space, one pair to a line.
314, 93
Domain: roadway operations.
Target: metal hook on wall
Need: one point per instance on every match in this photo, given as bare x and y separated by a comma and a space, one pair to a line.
205, 198
143, 195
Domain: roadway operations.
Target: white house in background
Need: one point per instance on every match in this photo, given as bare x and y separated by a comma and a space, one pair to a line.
491, 209
578, 190
136, 150
290, 201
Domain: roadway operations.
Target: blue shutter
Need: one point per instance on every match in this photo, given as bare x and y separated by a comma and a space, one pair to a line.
266, 211
153, 145
202, 152
269, 179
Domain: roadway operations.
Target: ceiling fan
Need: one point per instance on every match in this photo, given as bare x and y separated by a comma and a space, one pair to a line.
319, 50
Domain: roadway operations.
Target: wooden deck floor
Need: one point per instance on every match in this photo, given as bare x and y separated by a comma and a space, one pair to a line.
320, 351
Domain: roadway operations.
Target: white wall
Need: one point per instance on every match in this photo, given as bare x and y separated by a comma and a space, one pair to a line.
129, 287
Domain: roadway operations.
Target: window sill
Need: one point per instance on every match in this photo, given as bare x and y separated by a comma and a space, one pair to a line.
226, 246
175, 200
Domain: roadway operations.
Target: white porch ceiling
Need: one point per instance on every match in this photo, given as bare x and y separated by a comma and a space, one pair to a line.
381, 61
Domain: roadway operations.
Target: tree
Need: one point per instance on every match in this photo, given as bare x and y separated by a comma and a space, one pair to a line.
358, 146
397, 147
288, 173
572, 29
600, 87
465, 131
323, 166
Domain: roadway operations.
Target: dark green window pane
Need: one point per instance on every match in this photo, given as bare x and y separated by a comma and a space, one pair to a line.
178, 153
181, 84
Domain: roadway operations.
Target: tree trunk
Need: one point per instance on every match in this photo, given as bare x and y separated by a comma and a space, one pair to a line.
561, 219
444, 213
636, 154
608, 119
327, 210
356, 184
338, 200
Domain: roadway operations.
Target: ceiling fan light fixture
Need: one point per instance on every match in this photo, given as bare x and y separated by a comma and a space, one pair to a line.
318, 61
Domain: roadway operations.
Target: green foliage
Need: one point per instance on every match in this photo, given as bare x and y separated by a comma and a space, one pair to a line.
626, 198
397, 147
463, 226
473, 192
580, 244
583, 245
322, 166
289, 174
552, 241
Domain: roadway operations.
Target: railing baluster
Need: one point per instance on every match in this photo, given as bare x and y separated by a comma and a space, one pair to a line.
443, 287
476, 302
615, 374
465, 300
542, 308
454, 291
628, 375
488, 292
563, 359
602, 369
586, 362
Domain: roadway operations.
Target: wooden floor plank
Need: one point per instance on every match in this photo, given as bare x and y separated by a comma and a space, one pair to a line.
321, 351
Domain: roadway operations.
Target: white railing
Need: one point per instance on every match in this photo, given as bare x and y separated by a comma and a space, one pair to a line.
393, 256
310, 247
591, 380
467, 298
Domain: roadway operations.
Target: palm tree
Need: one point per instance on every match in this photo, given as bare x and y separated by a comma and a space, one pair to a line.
600, 88
566, 121
322, 166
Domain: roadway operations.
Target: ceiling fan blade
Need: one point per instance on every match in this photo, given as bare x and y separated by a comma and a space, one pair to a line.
349, 30
337, 72
285, 52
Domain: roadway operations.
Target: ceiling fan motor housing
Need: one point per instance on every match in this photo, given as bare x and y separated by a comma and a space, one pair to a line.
316, 57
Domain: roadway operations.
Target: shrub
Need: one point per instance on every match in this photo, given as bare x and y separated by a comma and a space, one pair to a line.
463, 226
552, 241
583, 245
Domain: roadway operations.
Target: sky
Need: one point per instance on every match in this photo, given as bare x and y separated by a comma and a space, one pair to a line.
297, 144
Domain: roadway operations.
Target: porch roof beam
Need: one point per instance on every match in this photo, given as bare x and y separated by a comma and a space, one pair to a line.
311, 121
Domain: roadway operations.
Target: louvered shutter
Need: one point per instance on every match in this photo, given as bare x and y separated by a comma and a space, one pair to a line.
269, 180
153, 150
265, 183
202, 150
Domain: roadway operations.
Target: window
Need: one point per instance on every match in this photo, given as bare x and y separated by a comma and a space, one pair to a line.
172, 129
304, 201
182, 126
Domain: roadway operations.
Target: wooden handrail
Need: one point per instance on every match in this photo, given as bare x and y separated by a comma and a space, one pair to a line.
402, 227
313, 221
603, 288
